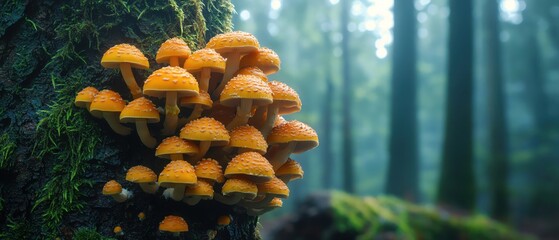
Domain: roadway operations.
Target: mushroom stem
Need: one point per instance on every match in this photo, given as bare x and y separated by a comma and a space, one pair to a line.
204, 147
171, 114
196, 113
150, 188
259, 116
243, 114
123, 195
176, 156
143, 133
205, 79
174, 61
231, 66
112, 119
280, 157
192, 200
229, 200
126, 71
178, 191
270, 119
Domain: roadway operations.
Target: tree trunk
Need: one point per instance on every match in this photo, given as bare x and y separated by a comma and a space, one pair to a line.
51, 183
498, 159
402, 179
456, 183
347, 136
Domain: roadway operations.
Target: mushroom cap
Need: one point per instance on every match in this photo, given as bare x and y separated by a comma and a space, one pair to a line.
117, 230
124, 53
206, 129
85, 96
285, 97
209, 169
246, 188
203, 99
202, 189
294, 131
248, 137
242, 42
275, 203
171, 79
279, 120
205, 58
246, 87
175, 145
107, 101
179, 171
140, 174
139, 108
173, 47
112, 187
265, 59
174, 224
254, 71
290, 169
224, 220
251, 165
275, 187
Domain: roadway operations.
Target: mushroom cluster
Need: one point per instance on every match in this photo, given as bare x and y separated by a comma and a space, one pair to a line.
233, 146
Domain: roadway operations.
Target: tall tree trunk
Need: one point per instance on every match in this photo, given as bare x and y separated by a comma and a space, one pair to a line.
498, 151
326, 136
50, 50
456, 183
347, 136
402, 179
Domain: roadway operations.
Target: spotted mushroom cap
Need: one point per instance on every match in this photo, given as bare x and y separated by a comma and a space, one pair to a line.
107, 101
202, 99
246, 87
171, 79
265, 59
287, 99
174, 224
209, 169
85, 96
140, 174
248, 137
112, 187
233, 41
178, 171
202, 189
290, 169
294, 130
241, 186
279, 120
124, 53
139, 108
275, 203
175, 145
275, 187
251, 165
254, 71
206, 129
205, 58
173, 47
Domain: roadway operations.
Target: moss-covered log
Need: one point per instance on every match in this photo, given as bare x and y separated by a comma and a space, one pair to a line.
336, 215
54, 157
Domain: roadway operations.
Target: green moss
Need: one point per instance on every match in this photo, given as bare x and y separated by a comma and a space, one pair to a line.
7, 147
16, 229
218, 15
88, 234
370, 217
68, 138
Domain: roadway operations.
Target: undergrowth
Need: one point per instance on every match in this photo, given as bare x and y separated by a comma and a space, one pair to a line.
7, 147
16, 229
85, 233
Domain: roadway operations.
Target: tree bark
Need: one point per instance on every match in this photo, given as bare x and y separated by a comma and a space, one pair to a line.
402, 179
49, 50
456, 183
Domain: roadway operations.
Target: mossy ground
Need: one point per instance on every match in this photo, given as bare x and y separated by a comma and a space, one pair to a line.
55, 157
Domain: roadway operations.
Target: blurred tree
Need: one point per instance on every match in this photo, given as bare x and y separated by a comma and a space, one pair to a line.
456, 183
347, 136
326, 137
402, 178
498, 155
